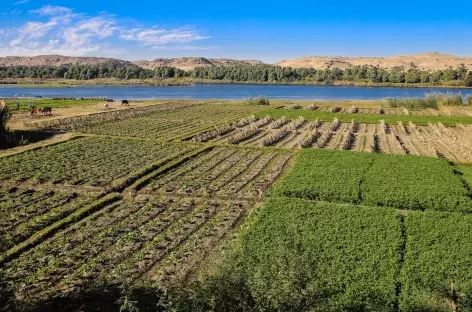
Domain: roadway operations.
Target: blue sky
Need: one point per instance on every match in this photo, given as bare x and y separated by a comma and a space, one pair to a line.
265, 30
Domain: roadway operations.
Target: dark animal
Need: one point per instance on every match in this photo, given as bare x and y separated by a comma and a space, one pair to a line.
46, 110
124, 102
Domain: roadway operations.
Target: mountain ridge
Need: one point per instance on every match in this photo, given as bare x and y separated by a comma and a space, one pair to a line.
424, 61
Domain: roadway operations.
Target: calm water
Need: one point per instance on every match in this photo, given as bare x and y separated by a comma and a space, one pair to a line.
226, 91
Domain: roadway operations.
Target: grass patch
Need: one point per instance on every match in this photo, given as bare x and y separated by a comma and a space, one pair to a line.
24, 103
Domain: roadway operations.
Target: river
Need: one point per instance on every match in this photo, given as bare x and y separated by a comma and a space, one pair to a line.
225, 91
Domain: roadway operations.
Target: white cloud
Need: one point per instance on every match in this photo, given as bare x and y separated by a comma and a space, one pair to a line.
159, 36
60, 30
184, 48
21, 2
52, 10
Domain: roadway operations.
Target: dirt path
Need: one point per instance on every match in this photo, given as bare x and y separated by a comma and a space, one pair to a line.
23, 121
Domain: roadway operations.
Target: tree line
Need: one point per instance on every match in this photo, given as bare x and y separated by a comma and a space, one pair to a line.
459, 76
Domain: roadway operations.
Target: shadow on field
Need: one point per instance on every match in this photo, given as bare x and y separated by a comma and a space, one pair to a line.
108, 299
24, 137
215, 295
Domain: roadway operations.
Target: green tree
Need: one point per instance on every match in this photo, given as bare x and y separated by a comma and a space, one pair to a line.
468, 80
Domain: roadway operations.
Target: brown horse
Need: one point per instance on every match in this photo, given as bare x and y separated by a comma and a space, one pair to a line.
34, 110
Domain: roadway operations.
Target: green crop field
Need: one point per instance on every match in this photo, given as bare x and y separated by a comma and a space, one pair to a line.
192, 206
399, 181
325, 175
170, 124
411, 182
436, 274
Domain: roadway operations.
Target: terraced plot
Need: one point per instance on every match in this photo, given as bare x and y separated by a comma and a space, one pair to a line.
25, 211
132, 242
171, 124
88, 161
222, 173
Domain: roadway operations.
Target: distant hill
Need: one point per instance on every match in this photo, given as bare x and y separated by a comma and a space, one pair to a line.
187, 63
57, 60
425, 61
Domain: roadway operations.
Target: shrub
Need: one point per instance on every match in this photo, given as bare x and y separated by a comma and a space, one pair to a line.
413, 103
258, 101
446, 99
469, 100
5, 115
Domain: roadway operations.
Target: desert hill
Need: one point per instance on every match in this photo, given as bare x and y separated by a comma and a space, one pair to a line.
57, 60
187, 63
425, 61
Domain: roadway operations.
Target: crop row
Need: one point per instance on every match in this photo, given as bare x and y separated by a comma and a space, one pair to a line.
75, 123
25, 211
304, 256
87, 161
126, 242
170, 124
399, 181
222, 172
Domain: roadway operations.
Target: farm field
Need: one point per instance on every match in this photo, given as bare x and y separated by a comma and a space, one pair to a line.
87, 161
403, 182
454, 143
172, 123
222, 172
211, 206
129, 242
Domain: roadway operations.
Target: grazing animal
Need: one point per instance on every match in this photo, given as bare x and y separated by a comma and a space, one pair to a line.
124, 102
34, 110
46, 110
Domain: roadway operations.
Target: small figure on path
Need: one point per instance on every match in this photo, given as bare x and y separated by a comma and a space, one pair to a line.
17, 105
